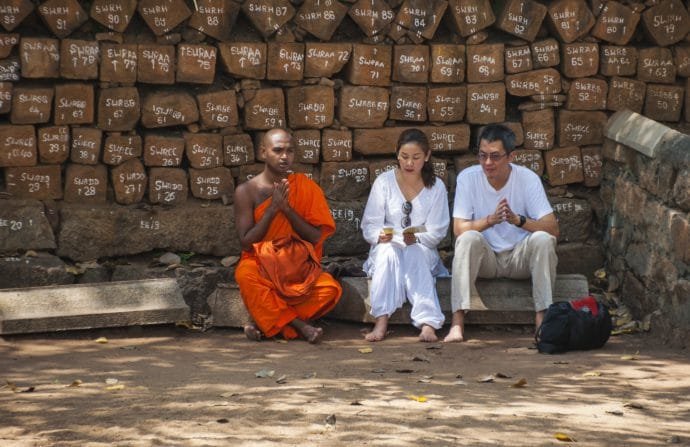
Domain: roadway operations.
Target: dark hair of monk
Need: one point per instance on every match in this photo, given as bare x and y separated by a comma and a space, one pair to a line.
416, 136
498, 132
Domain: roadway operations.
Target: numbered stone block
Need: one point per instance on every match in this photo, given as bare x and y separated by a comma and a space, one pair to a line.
79, 59
164, 151
204, 150
421, 18
592, 161
626, 93
129, 181
287, 61
86, 145
440, 168
85, 184
408, 103
156, 64
7, 42
243, 60
167, 186
518, 59
336, 145
9, 70
118, 63
268, 16
215, 18
580, 59
163, 15
40, 58
365, 107
411, 63
372, 16
378, 167
581, 128
529, 158
325, 59
118, 108
62, 16
545, 53
485, 63
53, 145
163, 109
17, 145
13, 12
448, 139
310, 107
238, 149
196, 63
320, 18
546, 81
447, 63
564, 166
309, 170
471, 16
307, 145
681, 60
656, 65
539, 129
31, 105
587, 94
6, 90
618, 61
380, 141
265, 110
249, 171
486, 103
74, 104
113, 15
117, 149
218, 109
345, 180
521, 18
38, 182
447, 104
616, 23
570, 19
663, 102
667, 22
370, 65
211, 184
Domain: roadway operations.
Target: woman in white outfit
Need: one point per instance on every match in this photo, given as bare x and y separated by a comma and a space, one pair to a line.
404, 266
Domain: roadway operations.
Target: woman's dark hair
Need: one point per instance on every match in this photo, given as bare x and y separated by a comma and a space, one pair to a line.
498, 132
417, 136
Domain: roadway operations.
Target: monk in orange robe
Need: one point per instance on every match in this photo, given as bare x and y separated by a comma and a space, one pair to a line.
282, 221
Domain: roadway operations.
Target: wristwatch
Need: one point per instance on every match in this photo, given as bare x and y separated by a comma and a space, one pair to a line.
523, 219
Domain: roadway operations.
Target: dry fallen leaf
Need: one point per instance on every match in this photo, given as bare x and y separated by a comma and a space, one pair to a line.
419, 359
486, 379
520, 383
330, 419
229, 394
282, 379
563, 437
355, 402
365, 350
503, 376
111, 381
459, 382
31, 389
264, 373
434, 347
615, 412
404, 370
591, 374
101, 340
417, 398
223, 420
74, 384
117, 387
634, 405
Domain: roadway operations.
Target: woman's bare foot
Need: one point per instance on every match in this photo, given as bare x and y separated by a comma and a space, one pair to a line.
252, 332
428, 334
457, 328
379, 331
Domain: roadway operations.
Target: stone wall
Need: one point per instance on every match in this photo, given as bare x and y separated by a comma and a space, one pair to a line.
125, 126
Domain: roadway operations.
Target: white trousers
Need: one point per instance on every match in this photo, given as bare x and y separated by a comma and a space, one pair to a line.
398, 272
534, 256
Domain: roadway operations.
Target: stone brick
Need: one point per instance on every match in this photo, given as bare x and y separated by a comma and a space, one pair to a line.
617, 60
411, 63
370, 65
23, 225
6, 89
167, 186
79, 59
529, 158
309, 170
486, 103
336, 145
36, 182
471, 16
587, 94
118, 63
40, 57
521, 18
129, 181
365, 107
204, 150
616, 23
115, 16
310, 107
238, 149
518, 59
446, 104
86, 145
418, 19
120, 148
666, 23
580, 59
164, 151
539, 129
545, 53
268, 16
215, 18
485, 63
9, 69
307, 144
538, 82
664, 102
162, 16
581, 128
86, 184
265, 110
17, 145
345, 180
656, 65
53, 144
211, 184
408, 103
156, 63
687, 100
681, 60
320, 19
447, 63
570, 19
449, 139
196, 63
378, 167
574, 217
564, 166
325, 59
173, 108
18, 11
74, 104
244, 59
218, 109
592, 162
626, 93
118, 108
372, 16
347, 239
62, 16
31, 105
287, 61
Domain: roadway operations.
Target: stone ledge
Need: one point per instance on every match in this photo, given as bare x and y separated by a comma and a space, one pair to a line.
645, 135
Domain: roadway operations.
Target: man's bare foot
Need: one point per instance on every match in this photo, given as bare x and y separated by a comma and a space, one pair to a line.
428, 334
252, 332
538, 318
457, 328
379, 331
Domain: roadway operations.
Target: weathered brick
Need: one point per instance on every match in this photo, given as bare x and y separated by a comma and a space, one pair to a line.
307, 145
419, 19
325, 59
539, 129
545, 53
486, 103
265, 110
211, 184
156, 63
616, 23
587, 94
40, 57
336, 145
449, 139
626, 93
19, 10
521, 18
6, 89
447, 63
485, 63
196, 63
119, 148
570, 19
581, 128
411, 63
575, 218
215, 18
113, 15
53, 144
471, 16
86, 145
268, 16
664, 102
580, 59
320, 19
244, 59
218, 109
372, 16
31, 105
118, 63
518, 59
310, 107
163, 15
86, 184
79, 59
162, 109
446, 104
164, 151
529, 158
37, 182
17, 146
204, 150
618, 60
345, 180
666, 23
167, 186
118, 108
592, 162
74, 104
681, 60
287, 61
564, 166
370, 65
538, 82
62, 16
238, 149
408, 103
656, 65
129, 181
365, 107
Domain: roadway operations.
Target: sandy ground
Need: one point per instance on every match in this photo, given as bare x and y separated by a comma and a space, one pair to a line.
168, 386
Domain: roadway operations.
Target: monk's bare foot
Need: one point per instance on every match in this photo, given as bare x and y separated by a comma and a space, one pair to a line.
252, 332
455, 335
428, 334
379, 331
312, 334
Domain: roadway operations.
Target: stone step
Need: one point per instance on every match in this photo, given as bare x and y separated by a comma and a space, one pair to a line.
88, 306
499, 301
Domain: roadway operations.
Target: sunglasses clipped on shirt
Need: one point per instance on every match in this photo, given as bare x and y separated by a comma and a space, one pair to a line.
406, 209
494, 156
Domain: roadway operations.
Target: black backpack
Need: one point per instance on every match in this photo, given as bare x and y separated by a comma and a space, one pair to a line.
565, 329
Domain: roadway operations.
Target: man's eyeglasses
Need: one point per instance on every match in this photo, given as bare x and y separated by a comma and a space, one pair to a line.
406, 209
494, 156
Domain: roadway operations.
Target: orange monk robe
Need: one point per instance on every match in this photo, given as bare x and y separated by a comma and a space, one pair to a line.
271, 311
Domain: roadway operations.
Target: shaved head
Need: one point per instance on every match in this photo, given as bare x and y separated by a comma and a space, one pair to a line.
267, 140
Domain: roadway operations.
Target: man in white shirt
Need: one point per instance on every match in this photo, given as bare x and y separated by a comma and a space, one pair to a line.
504, 227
